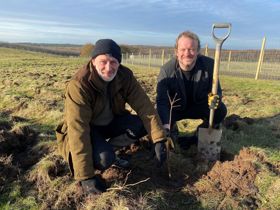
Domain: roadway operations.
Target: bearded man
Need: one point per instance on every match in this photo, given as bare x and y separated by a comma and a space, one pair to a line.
96, 121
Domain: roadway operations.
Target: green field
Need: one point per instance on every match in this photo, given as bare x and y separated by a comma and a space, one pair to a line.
33, 176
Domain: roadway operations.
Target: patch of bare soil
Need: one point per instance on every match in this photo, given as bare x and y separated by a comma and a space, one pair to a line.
7, 170
15, 141
231, 182
234, 122
14, 146
145, 167
147, 86
113, 174
5, 126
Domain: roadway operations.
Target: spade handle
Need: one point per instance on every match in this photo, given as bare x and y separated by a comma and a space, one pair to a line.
219, 42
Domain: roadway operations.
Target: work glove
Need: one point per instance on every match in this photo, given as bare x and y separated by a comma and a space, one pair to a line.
213, 101
161, 152
93, 185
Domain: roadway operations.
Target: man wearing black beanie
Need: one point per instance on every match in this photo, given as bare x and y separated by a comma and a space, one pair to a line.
107, 46
95, 117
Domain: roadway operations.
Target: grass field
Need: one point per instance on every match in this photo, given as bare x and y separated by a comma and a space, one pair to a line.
33, 176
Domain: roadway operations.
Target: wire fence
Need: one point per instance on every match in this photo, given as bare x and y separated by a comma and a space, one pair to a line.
256, 64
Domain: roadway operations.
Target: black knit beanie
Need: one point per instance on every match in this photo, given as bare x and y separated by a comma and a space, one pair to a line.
107, 46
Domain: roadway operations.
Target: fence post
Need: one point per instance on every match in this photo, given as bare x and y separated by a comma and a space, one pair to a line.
206, 50
150, 55
229, 58
162, 57
260, 59
139, 60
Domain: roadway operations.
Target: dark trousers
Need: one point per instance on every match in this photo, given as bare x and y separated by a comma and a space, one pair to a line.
200, 112
103, 151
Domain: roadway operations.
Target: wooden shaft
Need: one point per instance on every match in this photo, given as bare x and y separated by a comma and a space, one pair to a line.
215, 81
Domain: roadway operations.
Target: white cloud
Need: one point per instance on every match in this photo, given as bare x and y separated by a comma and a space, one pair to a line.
28, 30
136, 21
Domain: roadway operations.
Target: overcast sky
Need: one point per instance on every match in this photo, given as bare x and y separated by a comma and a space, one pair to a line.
151, 22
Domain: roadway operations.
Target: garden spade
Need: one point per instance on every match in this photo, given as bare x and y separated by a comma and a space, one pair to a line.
209, 146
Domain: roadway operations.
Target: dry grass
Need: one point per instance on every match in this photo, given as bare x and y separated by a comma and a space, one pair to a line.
34, 177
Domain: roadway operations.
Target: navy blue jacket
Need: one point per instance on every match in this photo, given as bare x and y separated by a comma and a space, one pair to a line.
170, 80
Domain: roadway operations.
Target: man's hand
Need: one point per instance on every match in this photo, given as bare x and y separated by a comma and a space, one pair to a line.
213, 101
161, 152
93, 185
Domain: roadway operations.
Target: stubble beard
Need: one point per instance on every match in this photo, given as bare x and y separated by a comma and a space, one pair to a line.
106, 79
188, 67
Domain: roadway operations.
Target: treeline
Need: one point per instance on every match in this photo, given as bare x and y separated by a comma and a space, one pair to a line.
51, 49
271, 55
75, 50
81, 50
130, 49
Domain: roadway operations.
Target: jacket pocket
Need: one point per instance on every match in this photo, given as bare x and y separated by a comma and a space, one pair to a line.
61, 136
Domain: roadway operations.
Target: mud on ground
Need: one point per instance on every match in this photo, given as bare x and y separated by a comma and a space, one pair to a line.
229, 184
14, 144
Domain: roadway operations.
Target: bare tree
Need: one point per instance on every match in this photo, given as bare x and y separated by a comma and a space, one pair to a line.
170, 143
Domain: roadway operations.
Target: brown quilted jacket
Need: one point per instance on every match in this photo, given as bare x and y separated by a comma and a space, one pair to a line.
84, 100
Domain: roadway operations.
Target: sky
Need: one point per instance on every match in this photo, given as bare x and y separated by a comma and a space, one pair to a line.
140, 22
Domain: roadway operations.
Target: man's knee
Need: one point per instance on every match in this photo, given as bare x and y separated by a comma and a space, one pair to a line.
136, 129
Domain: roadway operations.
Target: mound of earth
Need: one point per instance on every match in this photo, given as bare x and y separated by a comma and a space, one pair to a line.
231, 183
